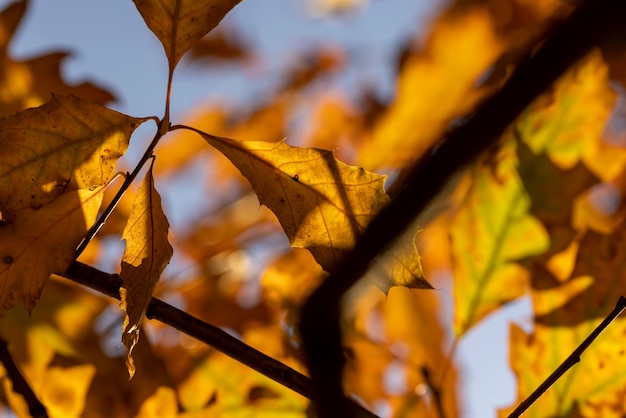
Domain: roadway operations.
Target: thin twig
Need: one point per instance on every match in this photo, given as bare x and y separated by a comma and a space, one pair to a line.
319, 327
20, 385
109, 285
571, 360
120, 193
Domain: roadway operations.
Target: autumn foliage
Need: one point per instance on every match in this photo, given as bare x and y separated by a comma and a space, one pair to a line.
538, 216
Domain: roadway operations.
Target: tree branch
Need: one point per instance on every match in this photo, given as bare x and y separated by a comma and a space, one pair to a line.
590, 24
20, 385
109, 284
571, 360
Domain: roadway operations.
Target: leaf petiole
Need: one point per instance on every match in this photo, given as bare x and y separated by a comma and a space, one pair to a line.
128, 180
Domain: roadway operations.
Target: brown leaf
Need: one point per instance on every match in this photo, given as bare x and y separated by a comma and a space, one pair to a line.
179, 24
66, 144
147, 253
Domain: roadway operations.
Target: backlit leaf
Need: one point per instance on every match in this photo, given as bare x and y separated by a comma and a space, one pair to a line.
491, 230
179, 24
322, 204
63, 391
433, 89
567, 122
41, 242
66, 144
147, 253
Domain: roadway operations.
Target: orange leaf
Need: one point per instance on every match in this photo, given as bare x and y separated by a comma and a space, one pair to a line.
147, 253
66, 144
322, 204
29, 83
179, 24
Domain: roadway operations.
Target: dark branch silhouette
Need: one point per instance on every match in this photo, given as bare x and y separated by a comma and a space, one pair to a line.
109, 284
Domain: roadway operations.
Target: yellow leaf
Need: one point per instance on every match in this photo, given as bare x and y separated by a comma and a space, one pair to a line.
491, 230
565, 313
567, 123
29, 83
64, 145
63, 391
433, 89
162, 404
322, 204
179, 24
147, 253
41, 242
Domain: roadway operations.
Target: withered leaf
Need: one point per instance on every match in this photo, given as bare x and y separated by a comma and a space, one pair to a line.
147, 253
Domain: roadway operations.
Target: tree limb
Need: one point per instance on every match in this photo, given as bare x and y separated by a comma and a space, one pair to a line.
109, 284
589, 25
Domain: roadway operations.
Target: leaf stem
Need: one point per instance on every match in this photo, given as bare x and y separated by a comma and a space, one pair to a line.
571, 360
120, 193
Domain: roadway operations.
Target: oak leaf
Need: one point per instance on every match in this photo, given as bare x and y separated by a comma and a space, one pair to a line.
147, 253
322, 204
179, 24
41, 242
567, 122
491, 230
64, 145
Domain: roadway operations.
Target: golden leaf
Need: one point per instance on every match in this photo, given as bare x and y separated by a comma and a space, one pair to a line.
322, 204
433, 89
66, 144
567, 123
41, 242
147, 253
490, 231
179, 24
63, 391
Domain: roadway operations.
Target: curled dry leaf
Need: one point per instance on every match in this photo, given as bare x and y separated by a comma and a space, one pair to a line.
179, 24
322, 204
147, 253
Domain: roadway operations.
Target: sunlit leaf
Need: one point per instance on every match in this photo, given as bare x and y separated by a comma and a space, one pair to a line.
147, 253
322, 204
433, 89
491, 230
64, 145
41, 242
29, 83
567, 122
179, 24
63, 391
162, 404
